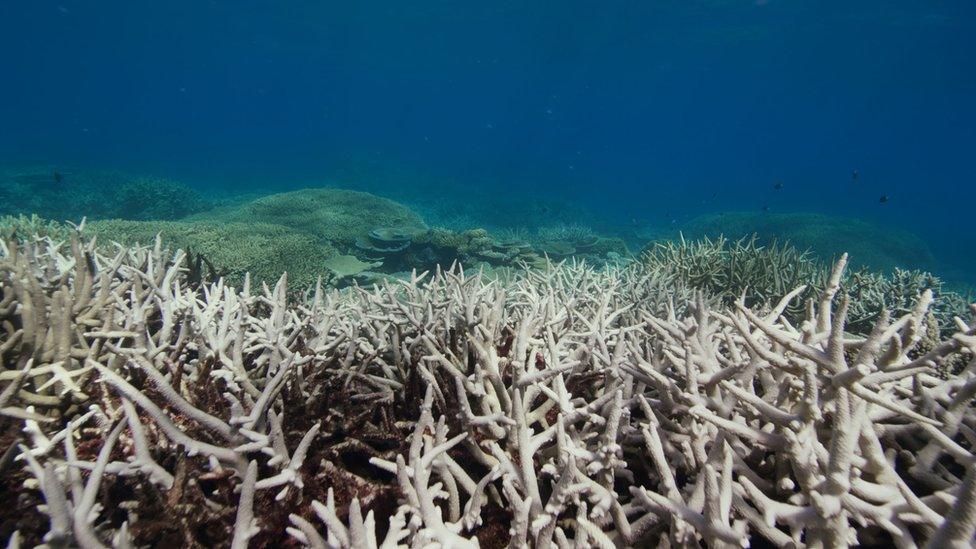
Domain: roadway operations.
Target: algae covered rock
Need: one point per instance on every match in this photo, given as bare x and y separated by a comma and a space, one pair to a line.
263, 249
337, 216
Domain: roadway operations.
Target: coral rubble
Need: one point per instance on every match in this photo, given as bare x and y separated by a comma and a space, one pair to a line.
566, 406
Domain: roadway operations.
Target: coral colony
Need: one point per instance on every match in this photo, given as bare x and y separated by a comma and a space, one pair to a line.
560, 406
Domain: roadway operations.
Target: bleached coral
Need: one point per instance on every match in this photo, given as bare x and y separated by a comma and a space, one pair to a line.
567, 406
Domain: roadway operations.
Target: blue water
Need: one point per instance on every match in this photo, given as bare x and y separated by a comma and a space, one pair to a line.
634, 110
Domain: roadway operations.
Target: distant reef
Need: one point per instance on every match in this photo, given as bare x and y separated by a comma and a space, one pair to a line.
878, 248
338, 216
343, 236
69, 194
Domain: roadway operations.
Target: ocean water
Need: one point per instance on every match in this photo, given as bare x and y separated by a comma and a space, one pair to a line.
631, 117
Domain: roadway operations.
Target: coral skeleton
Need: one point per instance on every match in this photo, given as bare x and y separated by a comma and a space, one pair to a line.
569, 406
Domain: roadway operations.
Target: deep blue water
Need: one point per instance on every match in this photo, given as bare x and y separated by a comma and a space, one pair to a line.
653, 110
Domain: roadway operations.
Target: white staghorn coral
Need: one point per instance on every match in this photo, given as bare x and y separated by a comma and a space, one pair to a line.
568, 406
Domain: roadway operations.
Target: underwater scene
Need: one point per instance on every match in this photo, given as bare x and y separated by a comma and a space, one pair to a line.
694, 273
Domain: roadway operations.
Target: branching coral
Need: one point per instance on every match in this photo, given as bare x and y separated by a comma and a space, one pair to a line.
761, 274
730, 269
261, 249
881, 248
566, 406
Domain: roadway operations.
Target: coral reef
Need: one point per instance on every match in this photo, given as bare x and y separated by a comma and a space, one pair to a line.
336, 216
52, 194
22, 226
296, 231
568, 406
741, 269
730, 270
570, 232
472, 248
877, 248
235, 249
569, 240
897, 293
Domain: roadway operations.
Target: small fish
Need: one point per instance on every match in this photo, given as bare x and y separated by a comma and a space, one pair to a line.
778, 185
883, 199
58, 177
854, 175
765, 208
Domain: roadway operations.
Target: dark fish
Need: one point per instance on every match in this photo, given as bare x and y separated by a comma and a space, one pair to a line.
884, 198
765, 208
854, 175
58, 177
778, 185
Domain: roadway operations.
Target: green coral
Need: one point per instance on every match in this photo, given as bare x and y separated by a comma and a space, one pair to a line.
729, 269
147, 198
22, 226
898, 292
336, 216
868, 245
72, 195
762, 274
234, 249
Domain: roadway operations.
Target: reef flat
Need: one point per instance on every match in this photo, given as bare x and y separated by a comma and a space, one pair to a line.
145, 402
